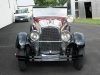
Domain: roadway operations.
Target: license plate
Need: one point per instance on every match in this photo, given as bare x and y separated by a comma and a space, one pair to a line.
21, 19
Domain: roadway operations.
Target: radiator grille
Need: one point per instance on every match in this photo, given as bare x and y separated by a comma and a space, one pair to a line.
50, 34
21, 16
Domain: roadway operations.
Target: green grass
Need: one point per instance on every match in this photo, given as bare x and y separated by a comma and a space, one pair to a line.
88, 21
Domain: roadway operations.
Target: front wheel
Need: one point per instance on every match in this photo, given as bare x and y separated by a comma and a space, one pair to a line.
16, 21
28, 19
79, 62
22, 64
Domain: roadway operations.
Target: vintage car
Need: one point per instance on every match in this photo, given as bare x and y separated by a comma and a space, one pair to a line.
50, 39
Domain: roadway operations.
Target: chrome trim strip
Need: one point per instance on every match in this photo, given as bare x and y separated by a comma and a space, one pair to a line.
50, 41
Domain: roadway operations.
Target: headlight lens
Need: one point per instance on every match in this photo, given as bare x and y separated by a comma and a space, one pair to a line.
34, 35
70, 18
65, 36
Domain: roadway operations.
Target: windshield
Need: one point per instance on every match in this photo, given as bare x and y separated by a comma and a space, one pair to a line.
50, 12
21, 11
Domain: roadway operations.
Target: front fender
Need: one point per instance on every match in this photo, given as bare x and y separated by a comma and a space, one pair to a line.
21, 40
79, 39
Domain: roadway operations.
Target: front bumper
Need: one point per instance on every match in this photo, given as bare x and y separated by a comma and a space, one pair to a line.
21, 19
43, 57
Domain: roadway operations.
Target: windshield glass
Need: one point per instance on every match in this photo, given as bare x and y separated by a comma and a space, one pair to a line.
21, 11
50, 12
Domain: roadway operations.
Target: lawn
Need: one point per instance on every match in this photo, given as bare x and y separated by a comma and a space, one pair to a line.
88, 21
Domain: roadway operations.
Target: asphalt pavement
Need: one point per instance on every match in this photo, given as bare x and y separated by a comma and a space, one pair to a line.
9, 63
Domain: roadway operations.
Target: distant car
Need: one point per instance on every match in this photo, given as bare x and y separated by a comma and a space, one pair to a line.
22, 15
50, 39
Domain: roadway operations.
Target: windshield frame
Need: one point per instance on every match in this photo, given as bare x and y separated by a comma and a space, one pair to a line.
53, 11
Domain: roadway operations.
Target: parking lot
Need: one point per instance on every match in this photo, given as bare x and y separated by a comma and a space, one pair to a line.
9, 64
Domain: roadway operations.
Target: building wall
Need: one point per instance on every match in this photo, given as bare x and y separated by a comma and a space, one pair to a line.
73, 8
77, 8
82, 14
7, 9
95, 9
25, 3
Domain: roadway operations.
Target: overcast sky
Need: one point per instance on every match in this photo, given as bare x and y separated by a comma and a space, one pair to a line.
25, 2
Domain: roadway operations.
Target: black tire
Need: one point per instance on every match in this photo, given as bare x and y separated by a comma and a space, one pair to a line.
22, 64
16, 21
28, 19
79, 62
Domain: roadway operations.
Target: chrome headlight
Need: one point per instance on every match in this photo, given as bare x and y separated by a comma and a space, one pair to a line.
65, 36
34, 35
70, 18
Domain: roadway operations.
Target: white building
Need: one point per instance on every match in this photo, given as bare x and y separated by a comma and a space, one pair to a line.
25, 3
7, 10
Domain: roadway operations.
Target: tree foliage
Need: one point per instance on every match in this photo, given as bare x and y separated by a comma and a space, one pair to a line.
49, 2
62, 2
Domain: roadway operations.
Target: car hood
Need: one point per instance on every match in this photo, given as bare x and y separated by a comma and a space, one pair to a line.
24, 14
49, 21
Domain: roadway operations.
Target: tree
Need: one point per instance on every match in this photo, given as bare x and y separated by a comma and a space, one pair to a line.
62, 2
49, 2
45, 2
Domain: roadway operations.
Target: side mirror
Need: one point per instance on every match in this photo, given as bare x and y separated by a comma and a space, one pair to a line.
14, 13
70, 18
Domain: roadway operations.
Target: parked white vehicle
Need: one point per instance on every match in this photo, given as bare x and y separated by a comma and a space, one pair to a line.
21, 15
29, 9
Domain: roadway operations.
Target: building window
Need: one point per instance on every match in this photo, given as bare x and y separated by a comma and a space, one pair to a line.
9, 3
76, 5
77, 14
76, 10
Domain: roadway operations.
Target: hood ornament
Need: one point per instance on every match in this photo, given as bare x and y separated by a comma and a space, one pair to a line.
50, 51
50, 23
